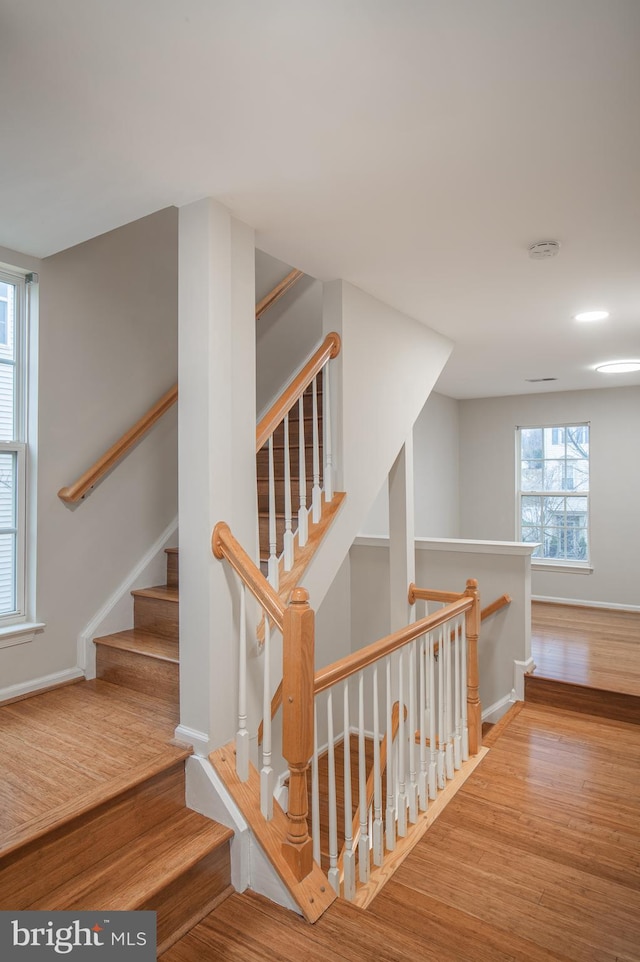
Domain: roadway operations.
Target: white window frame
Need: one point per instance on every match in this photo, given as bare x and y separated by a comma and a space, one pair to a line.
19, 626
553, 564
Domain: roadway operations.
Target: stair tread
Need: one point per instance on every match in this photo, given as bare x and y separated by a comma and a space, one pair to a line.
171, 550
142, 642
127, 878
67, 812
161, 592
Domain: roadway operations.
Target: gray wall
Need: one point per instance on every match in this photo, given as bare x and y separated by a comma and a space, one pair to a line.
488, 484
107, 351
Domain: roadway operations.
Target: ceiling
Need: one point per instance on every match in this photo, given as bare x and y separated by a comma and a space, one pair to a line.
414, 147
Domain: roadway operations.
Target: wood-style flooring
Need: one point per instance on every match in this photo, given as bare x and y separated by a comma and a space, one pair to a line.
596, 647
75, 742
537, 858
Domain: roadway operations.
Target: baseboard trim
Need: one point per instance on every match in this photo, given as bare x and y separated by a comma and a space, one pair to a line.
40, 685
86, 649
495, 712
191, 736
577, 603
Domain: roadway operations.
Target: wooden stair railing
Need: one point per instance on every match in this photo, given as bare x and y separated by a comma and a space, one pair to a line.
73, 493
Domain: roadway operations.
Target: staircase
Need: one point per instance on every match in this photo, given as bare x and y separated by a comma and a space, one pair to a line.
127, 842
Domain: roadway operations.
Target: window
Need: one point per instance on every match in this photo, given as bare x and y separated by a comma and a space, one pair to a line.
12, 448
553, 492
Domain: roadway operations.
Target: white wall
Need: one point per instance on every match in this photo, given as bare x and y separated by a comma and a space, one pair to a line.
288, 332
107, 350
488, 483
383, 375
436, 478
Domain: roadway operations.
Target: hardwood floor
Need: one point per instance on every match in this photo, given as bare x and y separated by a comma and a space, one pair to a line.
596, 647
71, 742
536, 859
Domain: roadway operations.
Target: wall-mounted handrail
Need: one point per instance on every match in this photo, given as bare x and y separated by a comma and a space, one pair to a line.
358, 660
428, 594
278, 291
495, 606
329, 348
224, 545
77, 491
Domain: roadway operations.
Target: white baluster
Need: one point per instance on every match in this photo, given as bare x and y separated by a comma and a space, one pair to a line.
288, 532
377, 827
242, 737
433, 756
390, 813
423, 788
413, 778
448, 714
333, 874
349, 861
402, 748
316, 493
457, 740
266, 772
363, 841
441, 734
326, 420
303, 515
315, 790
463, 674
272, 573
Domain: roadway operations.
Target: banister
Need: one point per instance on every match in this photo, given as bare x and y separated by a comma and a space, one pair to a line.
77, 491
342, 669
278, 291
495, 606
428, 594
329, 348
224, 545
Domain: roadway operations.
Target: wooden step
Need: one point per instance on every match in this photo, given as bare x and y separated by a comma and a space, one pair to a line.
262, 461
142, 661
139, 849
616, 705
263, 495
173, 568
156, 610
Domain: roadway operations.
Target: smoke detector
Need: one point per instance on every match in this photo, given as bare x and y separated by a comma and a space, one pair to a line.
544, 249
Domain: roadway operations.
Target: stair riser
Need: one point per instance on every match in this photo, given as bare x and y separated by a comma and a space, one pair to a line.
263, 496
139, 672
579, 698
29, 873
186, 901
262, 462
156, 615
173, 569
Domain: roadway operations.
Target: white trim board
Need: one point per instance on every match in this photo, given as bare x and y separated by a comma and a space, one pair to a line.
35, 684
453, 544
577, 603
116, 614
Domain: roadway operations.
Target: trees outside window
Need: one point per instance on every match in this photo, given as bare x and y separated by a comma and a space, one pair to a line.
553, 491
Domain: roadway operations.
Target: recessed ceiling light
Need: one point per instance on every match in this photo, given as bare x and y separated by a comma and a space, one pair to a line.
592, 316
619, 367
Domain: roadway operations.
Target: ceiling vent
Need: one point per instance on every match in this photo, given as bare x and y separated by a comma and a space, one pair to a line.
539, 380
544, 249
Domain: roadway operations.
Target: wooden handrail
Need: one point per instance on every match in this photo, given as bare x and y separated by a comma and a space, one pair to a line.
345, 667
428, 594
77, 491
329, 348
496, 605
224, 545
278, 291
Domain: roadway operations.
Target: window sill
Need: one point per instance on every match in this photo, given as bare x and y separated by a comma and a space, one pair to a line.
19, 634
570, 569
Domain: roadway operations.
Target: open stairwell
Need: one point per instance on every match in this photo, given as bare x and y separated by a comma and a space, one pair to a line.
94, 813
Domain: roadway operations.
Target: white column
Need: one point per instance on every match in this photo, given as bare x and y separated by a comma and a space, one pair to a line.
217, 461
402, 565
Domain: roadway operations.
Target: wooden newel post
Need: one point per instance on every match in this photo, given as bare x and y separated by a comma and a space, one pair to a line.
474, 708
297, 722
